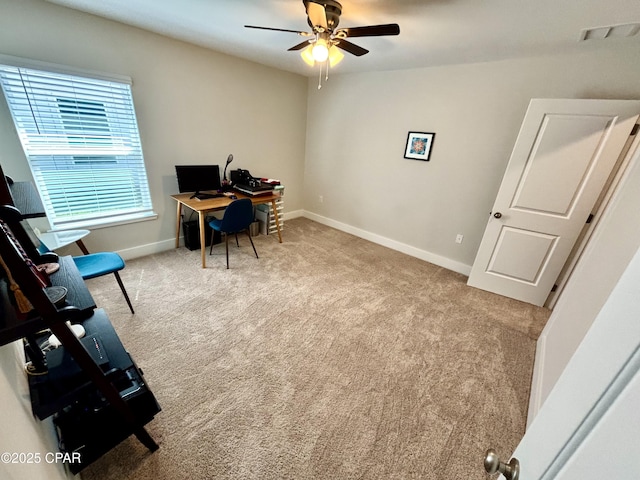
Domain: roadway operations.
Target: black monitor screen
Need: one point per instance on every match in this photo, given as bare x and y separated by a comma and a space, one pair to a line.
198, 178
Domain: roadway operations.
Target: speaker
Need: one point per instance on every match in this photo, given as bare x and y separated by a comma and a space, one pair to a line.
192, 235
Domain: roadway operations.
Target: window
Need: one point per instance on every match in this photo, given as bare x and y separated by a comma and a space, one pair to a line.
81, 138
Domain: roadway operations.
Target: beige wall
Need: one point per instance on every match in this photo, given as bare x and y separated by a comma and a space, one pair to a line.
193, 106
357, 128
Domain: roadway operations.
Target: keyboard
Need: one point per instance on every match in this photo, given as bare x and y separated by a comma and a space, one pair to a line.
204, 196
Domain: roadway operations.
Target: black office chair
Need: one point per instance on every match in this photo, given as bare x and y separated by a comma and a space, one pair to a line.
237, 218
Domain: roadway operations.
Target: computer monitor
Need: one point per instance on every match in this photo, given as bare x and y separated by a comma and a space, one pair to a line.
198, 178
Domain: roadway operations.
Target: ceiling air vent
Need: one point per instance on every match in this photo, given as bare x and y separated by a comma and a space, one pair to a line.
613, 31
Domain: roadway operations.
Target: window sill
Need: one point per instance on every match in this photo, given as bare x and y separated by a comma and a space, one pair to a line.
97, 223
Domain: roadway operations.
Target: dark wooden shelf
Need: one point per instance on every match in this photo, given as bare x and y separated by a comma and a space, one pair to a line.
87, 424
26, 199
51, 395
68, 276
21, 195
13, 328
97, 400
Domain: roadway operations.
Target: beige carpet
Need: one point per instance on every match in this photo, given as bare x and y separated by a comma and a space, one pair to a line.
328, 358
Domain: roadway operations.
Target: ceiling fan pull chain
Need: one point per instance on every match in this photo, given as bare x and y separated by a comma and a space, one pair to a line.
320, 78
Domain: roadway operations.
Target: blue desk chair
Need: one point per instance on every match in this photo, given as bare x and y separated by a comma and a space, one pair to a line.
98, 264
237, 218
94, 265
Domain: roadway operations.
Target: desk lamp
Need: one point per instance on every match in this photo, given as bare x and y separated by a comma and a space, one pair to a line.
225, 182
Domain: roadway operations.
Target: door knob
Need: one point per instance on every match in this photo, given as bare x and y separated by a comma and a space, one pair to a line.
497, 215
492, 464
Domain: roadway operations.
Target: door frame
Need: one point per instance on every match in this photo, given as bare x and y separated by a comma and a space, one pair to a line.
630, 162
627, 156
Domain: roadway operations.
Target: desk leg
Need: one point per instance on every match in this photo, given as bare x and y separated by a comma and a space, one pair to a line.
275, 215
178, 224
203, 243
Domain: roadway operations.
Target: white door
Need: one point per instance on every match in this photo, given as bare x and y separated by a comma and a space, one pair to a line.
564, 153
589, 426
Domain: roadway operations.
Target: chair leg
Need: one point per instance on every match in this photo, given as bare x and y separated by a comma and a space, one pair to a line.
124, 292
237, 244
226, 245
212, 235
251, 240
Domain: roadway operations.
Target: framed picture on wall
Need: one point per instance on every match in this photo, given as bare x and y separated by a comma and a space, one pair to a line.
419, 145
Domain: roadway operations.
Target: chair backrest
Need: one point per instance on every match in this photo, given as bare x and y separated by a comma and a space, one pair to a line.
238, 216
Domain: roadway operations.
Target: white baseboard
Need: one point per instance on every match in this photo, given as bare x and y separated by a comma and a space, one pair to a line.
148, 249
393, 244
163, 245
294, 214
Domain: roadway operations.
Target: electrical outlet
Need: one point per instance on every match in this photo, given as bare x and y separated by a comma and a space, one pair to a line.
459, 238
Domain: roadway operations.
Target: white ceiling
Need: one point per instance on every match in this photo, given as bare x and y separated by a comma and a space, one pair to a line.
432, 32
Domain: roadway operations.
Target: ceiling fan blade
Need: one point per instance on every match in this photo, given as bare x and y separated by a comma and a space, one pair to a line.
279, 30
372, 30
317, 15
299, 46
352, 48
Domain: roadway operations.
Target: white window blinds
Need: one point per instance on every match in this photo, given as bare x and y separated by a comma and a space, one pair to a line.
81, 138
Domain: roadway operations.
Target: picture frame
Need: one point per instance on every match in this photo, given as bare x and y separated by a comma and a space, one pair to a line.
419, 145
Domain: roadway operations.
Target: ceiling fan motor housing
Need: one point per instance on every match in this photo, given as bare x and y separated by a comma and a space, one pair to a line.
332, 9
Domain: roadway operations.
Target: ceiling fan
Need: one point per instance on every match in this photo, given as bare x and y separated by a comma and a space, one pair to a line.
323, 17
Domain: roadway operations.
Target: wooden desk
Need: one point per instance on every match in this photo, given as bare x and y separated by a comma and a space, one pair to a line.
217, 204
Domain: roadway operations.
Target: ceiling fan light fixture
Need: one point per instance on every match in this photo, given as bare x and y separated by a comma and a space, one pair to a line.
319, 50
335, 56
307, 56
